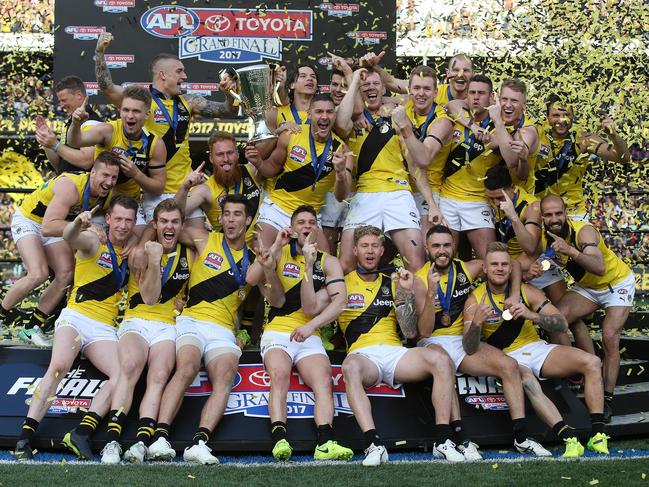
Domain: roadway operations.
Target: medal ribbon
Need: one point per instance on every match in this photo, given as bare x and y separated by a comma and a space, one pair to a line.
296, 116
318, 163
445, 297
493, 303
469, 137
132, 151
171, 120
429, 118
120, 271
168, 266
239, 275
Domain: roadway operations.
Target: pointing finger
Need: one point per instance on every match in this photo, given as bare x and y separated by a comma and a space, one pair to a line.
94, 210
200, 168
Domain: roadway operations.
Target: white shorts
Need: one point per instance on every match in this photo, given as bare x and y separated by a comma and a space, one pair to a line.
393, 210
466, 215
21, 226
334, 212
271, 214
211, 339
451, 343
386, 358
422, 206
533, 355
152, 331
296, 350
89, 330
621, 294
549, 277
150, 201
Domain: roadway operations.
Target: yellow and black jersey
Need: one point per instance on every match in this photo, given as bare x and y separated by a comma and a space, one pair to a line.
306, 177
616, 269
421, 124
504, 229
444, 94
291, 272
213, 293
461, 284
469, 160
169, 120
370, 317
98, 281
505, 335
174, 272
139, 151
288, 113
249, 186
380, 166
35, 204
560, 170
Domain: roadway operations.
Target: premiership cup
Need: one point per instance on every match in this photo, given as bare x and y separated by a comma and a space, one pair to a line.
256, 100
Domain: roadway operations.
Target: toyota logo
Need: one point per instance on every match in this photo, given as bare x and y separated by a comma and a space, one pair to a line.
260, 378
217, 23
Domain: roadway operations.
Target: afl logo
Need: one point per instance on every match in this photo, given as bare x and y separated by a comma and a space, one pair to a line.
291, 270
355, 301
260, 378
169, 21
217, 23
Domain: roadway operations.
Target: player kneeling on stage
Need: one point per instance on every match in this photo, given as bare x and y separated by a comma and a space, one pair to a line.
87, 323
513, 331
375, 305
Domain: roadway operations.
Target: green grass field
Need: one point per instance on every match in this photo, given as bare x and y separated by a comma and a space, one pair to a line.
537, 473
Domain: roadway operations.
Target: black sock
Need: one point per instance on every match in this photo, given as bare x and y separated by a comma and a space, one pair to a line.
563, 430
247, 317
371, 436
116, 420
278, 431
202, 434
597, 423
520, 429
459, 434
88, 424
145, 430
29, 428
161, 431
443, 432
325, 433
37, 318
608, 397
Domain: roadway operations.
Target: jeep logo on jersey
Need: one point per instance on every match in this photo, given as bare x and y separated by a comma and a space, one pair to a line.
291, 270
355, 301
213, 261
233, 36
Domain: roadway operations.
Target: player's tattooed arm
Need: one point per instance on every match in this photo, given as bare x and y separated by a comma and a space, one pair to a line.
208, 108
551, 323
406, 312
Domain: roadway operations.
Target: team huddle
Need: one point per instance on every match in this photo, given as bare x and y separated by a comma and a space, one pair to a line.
488, 267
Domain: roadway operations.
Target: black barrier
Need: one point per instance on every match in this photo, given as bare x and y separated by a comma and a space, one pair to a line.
404, 416
207, 38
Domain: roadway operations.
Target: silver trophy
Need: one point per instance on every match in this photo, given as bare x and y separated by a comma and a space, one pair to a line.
256, 92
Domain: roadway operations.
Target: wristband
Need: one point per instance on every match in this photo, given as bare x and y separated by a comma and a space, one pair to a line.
56, 146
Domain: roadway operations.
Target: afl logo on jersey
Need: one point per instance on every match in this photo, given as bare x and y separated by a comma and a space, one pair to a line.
105, 261
544, 150
298, 154
291, 270
355, 301
493, 317
158, 116
213, 261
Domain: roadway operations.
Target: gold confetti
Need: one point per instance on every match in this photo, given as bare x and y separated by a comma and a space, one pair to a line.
594, 482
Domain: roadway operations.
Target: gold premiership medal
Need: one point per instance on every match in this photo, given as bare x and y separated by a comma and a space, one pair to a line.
383, 128
545, 265
507, 315
446, 319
